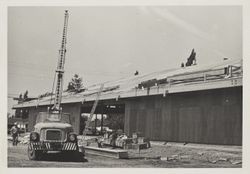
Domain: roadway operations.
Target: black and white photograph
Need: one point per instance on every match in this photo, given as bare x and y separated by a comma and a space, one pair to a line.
116, 86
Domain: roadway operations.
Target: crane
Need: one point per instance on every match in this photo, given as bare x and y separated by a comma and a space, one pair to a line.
60, 67
53, 131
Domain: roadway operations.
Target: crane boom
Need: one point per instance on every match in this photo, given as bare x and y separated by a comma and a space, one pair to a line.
60, 66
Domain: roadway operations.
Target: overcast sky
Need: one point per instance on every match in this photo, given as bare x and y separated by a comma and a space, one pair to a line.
106, 43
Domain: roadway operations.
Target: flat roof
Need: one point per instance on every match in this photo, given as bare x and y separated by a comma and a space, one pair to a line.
192, 78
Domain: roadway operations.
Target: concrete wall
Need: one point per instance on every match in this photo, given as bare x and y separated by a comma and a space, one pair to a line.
212, 116
72, 109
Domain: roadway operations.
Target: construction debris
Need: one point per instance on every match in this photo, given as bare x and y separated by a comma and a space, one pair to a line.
168, 158
22, 139
148, 158
200, 153
184, 157
121, 140
214, 161
175, 156
236, 162
223, 159
164, 158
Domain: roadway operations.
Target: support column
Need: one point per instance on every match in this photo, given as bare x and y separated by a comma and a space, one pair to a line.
95, 122
102, 120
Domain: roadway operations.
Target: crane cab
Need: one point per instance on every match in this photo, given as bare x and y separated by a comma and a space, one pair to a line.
52, 132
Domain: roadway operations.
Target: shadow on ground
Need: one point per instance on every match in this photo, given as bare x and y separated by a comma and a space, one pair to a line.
63, 157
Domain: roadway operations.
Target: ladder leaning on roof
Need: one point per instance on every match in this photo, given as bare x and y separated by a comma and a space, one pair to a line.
93, 108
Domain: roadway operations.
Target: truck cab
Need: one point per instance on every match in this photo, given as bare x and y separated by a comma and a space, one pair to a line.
52, 132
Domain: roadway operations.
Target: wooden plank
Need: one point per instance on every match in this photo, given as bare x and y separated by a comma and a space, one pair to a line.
112, 153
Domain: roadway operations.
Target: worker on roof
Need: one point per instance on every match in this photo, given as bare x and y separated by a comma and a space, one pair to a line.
14, 133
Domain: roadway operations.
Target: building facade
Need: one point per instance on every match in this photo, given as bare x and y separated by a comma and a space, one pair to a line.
196, 104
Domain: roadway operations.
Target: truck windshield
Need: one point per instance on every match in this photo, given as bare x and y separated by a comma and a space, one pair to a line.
53, 117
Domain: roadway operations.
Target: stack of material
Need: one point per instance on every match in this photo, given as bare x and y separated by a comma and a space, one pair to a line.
123, 141
136, 142
120, 141
139, 142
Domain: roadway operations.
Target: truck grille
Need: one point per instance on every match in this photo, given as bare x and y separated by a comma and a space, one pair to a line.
53, 135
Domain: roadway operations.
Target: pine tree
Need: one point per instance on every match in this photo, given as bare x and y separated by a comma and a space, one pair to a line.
25, 96
20, 99
75, 85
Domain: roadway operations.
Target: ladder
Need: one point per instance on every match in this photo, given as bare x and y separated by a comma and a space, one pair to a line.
60, 67
94, 107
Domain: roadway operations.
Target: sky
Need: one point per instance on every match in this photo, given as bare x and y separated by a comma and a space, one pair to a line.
107, 43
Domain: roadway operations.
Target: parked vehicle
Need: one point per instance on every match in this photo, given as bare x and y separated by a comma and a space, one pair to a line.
53, 132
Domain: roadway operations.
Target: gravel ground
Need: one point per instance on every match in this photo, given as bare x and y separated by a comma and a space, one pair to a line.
162, 156
187, 154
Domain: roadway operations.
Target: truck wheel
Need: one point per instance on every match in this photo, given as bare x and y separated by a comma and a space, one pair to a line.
34, 154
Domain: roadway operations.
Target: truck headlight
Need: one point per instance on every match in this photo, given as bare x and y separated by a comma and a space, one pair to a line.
34, 136
72, 137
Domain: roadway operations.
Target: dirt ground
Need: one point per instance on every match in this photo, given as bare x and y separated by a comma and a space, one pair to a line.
160, 155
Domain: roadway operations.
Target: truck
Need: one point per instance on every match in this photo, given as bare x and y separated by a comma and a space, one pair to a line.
53, 131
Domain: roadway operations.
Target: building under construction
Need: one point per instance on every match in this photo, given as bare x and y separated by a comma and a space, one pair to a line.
199, 104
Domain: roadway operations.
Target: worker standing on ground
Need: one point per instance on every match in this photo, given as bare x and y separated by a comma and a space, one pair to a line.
14, 133
113, 139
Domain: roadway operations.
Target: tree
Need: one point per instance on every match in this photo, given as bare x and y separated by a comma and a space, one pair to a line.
75, 85
136, 73
192, 59
70, 86
45, 94
25, 95
20, 99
